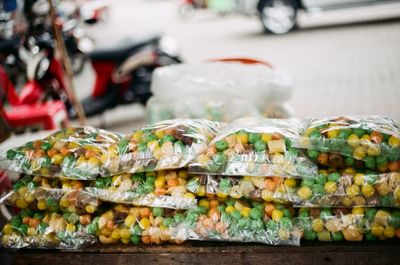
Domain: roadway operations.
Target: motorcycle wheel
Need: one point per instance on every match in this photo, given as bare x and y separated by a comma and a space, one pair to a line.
143, 98
78, 61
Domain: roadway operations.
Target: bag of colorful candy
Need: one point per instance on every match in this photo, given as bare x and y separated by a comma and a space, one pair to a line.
269, 189
350, 188
169, 144
255, 147
166, 189
371, 142
135, 225
238, 221
76, 153
357, 224
36, 229
55, 195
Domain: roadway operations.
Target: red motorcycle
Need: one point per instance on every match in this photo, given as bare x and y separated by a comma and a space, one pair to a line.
42, 102
186, 8
123, 72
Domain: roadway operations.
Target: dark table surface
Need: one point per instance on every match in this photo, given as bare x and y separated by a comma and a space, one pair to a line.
386, 252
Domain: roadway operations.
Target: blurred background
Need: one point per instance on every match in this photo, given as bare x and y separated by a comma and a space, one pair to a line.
342, 57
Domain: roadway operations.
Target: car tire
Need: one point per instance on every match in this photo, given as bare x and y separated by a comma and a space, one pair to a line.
278, 16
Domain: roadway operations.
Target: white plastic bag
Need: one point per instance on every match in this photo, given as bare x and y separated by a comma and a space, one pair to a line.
220, 91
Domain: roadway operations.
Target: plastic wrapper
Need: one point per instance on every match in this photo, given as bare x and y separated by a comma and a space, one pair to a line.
357, 224
211, 220
170, 144
350, 188
371, 142
40, 193
35, 229
76, 153
268, 189
224, 109
239, 221
135, 225
215, 91
255, 147
166, 189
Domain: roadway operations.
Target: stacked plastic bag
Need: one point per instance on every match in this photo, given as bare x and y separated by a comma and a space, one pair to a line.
254, 180
219, 91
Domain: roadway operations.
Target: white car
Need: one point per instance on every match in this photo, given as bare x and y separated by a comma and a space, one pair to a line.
280, 16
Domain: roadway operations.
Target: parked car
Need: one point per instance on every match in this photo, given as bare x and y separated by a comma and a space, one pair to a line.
280, 16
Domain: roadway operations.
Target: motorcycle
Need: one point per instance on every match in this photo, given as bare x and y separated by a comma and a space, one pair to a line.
20, 116
42, 102
123, 72
78, 45
186, 8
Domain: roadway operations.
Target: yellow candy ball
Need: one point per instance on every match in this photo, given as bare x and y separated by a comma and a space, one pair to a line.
393, 141
144, 223
352, 190
359, 179
367, 190
276, 215
359, 152
130, 220
389, 231
357, 211
318, 225
304, 193
330, 187
333, 133
245, 212
353, 140
377, 230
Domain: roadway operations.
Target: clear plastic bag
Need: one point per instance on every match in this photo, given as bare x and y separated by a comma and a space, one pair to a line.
350, 188
239, 221
76, 153
35, 229
214, 90
255, 147
268, 189
224, 109
135, 225
166, 189
341, 224
211, 220
170, 144
371, 142
54, 195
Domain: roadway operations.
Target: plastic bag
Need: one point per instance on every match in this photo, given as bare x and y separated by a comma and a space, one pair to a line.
223, 109
170, 144
349, 189
35, 229
221, 91
238, 221
269, 189
166, 189
255, 147
210, 220
371, 142
341, 224
52, 194
135, 225
76, 153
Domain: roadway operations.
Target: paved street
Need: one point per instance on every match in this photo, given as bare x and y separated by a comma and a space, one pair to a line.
347, 69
